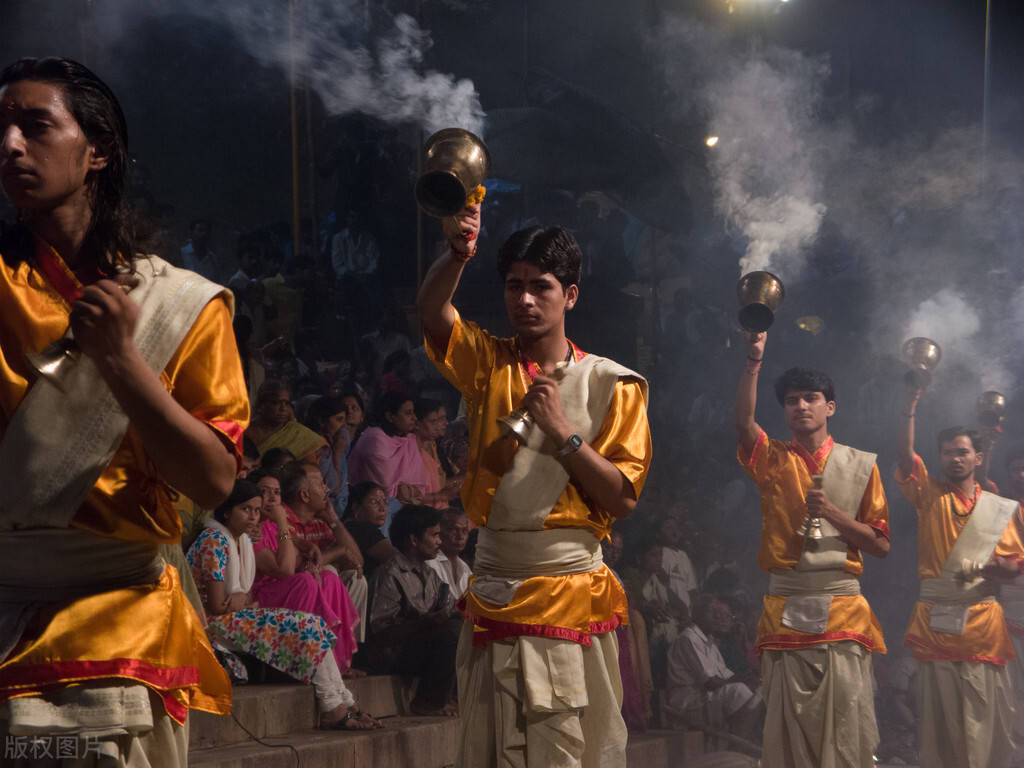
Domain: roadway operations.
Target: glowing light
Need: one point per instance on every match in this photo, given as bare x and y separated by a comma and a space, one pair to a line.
711, 141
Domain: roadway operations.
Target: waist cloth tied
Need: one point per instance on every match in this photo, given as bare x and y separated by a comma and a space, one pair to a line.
945, 591
809, 596
505, 559
50, 565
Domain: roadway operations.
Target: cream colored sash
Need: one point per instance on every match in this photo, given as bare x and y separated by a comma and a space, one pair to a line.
536, 479
844, 481
951, 595
61, 439
534, 482
809, 596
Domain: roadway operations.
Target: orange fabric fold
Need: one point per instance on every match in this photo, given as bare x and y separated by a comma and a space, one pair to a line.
490, 374
942, 513
783, 473
150, 634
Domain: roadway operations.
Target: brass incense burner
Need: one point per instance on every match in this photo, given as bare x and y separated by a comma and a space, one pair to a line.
760, 295
922, 356
455, 162
991, 407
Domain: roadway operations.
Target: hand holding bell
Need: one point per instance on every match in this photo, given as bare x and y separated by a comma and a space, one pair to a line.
812, 525
519, 423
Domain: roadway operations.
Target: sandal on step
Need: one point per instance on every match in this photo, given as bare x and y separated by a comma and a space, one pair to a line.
366, 717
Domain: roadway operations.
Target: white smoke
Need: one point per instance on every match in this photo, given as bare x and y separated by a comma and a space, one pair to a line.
949, 319
766, 170
326, 44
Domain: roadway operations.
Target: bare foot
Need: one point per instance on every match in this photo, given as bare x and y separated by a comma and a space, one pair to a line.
352, 673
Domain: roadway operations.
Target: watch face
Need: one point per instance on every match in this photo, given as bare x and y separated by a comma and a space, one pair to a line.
575, 441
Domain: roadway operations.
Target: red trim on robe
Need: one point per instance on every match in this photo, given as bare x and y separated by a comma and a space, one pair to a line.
493, 630
815, 463
35, 678
785, 642
232, 429
881, 526
968, 503
761, 440
924, 652
56, 273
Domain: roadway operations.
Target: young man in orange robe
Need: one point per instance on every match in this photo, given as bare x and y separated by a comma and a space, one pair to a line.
537, 663
100, 644
822, 506
969, 541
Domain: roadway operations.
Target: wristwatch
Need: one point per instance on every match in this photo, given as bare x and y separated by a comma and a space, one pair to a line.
573, 444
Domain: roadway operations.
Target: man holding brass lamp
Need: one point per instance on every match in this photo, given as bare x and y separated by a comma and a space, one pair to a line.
968, 541
822, 506
537, 663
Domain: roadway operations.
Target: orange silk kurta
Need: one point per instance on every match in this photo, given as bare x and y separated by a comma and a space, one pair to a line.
942, 512
149, 634
487, 371
783, 472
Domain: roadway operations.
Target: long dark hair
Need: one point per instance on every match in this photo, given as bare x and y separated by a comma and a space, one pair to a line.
113, 234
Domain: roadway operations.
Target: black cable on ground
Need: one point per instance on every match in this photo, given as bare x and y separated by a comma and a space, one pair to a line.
258, 740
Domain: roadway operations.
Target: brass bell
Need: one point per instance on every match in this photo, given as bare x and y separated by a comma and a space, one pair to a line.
51, 362
991, 407
970, 569
922, 355
455, 163
516, 423
760, 295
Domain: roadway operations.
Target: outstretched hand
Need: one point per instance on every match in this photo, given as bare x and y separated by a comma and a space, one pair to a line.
755, 343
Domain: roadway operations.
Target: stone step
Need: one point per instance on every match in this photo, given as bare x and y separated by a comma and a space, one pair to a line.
279, 709
411, 742
404, 742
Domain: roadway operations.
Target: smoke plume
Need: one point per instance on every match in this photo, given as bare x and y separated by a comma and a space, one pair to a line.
326, 44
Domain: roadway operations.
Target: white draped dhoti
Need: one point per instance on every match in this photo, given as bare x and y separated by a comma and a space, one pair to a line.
820, 707
966, 711
538, 702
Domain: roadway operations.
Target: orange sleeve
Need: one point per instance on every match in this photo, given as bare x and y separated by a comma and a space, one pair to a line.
625, 436
874, 509
914, 485
205, 375
468, 359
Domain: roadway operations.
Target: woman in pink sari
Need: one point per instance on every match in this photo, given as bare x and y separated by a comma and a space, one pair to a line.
389, 454
289, 574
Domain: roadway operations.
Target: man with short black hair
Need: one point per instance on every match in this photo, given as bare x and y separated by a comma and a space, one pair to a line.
969, 541
822, 506
452, 569
414, 628
538, 664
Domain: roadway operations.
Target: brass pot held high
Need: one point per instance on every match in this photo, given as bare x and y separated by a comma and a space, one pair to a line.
455, 162
760, 294
923, 356
991, 407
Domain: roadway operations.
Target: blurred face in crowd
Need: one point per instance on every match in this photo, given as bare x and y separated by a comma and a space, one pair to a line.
718, 619
427, 546
433, 425
271, 490
612, 549
333, 423
535, 301
248, 465
316, 489
45, 157
353, 411
454, 534
245, 517
277, 409
373, 508
670, 533
404, 419
807, 412
959, 458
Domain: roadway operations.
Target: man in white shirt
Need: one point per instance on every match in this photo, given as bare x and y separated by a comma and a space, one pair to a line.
701, 691
452, 569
